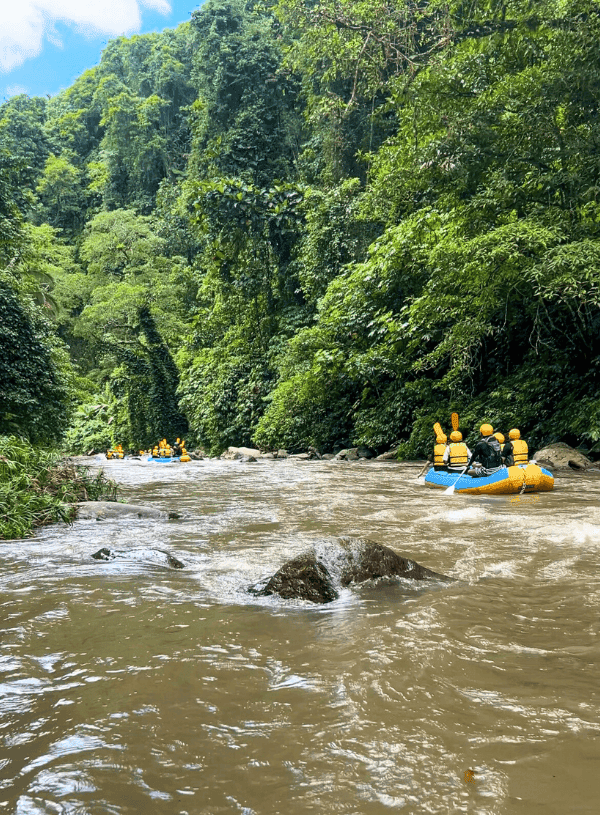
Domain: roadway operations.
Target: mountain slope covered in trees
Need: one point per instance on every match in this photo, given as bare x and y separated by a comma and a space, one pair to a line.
309, 222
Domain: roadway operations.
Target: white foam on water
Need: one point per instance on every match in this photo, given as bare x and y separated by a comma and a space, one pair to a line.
578, 533
505, 568
558, 569
462, 515
475, 564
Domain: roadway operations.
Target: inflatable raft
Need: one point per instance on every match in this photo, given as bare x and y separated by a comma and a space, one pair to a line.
163, 459
507, 481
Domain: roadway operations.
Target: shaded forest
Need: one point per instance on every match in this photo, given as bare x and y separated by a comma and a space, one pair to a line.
307, 222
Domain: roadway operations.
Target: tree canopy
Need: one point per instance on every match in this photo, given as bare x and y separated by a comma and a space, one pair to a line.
312, 222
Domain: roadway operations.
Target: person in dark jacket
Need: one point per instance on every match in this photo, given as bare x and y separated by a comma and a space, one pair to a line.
486, 458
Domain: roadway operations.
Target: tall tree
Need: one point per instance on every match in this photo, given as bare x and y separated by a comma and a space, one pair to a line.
246, 124
127, 281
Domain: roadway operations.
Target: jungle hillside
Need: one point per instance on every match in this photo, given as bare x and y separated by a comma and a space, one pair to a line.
309, 222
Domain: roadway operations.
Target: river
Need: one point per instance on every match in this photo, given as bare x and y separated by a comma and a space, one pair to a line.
126, 687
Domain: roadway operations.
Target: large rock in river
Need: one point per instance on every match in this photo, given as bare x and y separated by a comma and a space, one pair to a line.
317, 575
561, 455
239, 453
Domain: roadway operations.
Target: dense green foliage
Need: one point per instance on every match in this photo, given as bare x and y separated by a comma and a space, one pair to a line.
306, 222
33, 393
35, 375
36, 488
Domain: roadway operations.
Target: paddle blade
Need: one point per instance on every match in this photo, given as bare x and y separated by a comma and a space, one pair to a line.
454, 420
449, 490
437, 429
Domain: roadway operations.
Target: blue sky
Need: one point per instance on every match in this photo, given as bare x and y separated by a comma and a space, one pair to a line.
46, 44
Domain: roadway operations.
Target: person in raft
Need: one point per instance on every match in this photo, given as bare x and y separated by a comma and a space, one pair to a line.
439, 450
457, 453
500, 437
486, 458
515, 450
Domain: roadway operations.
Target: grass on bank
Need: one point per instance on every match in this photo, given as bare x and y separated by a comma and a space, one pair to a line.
36, 486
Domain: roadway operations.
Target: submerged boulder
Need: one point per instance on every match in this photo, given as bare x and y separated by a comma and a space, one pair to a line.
155, 557
105, 510
318, 574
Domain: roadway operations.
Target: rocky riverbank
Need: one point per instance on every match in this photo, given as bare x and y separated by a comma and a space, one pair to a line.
556, 456
312, 454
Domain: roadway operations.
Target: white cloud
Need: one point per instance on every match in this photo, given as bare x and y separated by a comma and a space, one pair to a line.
15, 90
24, 24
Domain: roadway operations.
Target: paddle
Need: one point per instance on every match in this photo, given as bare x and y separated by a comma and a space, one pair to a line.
451, 489
427, 465
454, 420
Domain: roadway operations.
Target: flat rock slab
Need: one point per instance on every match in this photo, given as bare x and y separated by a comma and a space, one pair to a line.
153, 557
105, 510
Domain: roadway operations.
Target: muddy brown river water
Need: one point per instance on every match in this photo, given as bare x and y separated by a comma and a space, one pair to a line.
129, 688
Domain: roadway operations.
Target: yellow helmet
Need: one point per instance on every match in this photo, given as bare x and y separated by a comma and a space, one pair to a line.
441, 439
500, 437
514, 433
456, 435
486, 430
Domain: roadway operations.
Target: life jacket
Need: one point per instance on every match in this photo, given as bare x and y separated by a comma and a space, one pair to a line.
520, 451
457, 454
438, 455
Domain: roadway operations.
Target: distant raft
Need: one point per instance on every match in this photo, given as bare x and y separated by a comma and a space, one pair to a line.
507, 481
164, 459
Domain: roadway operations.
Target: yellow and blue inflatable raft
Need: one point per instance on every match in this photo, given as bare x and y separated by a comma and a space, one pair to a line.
507, 481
